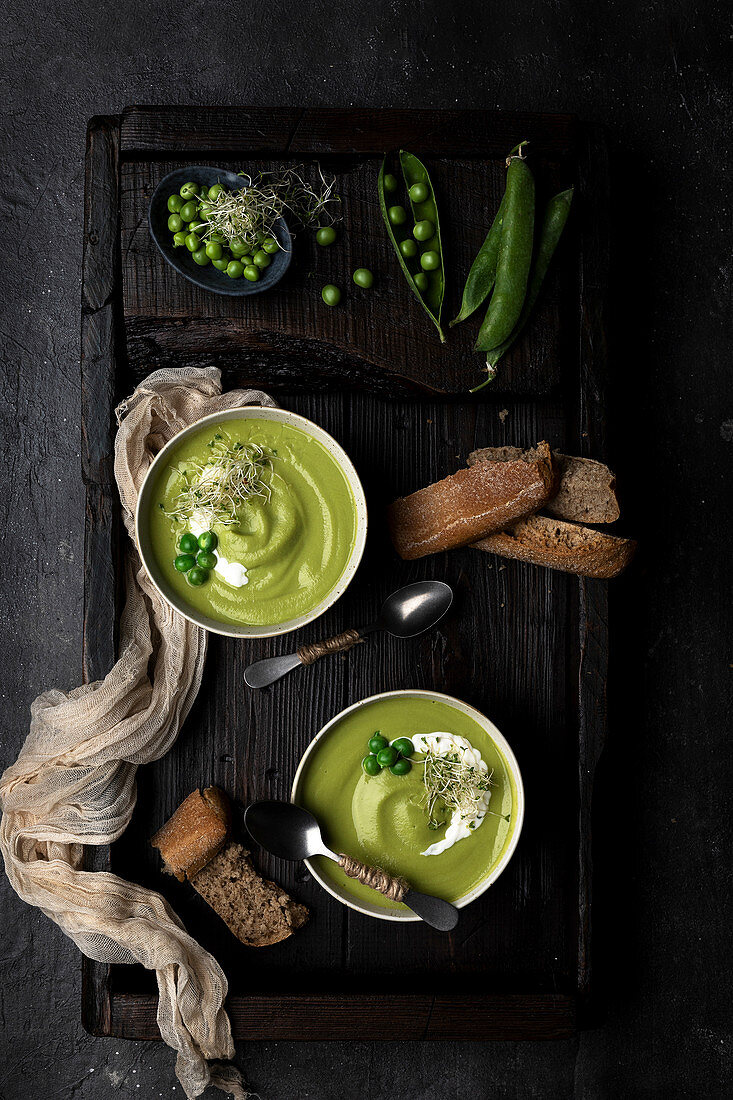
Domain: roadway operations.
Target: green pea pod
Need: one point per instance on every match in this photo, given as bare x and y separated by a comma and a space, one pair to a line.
553, 224
482, 275
514, 259
431, 299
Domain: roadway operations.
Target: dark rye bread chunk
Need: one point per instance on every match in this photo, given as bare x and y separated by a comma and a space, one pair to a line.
561, 545
586, 489
256, 910
471, 503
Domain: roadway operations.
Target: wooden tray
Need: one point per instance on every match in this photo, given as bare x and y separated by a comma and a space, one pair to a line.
525, 645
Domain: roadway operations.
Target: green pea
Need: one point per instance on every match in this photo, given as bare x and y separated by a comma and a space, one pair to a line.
246, 261
175, 202
387, 756
214, 250
188, 543
261, 259
404, 746
179, 239
189, 190
215, 191
200, 257
217, 236
390, 183
175, 223
371, 765
235, 270
237, 247
271, 246
184, 562
377, 743
222, 263
423, 230
206, 559
401, 766
408, 248
421, 281
208, 540
196, 227
419, 192
326, 235
397, 215
197, 576
251, 273
193, 242
188, 211
363, 277
429, 261
331, 294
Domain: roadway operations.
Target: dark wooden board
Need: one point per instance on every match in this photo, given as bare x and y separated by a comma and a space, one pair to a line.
524, 645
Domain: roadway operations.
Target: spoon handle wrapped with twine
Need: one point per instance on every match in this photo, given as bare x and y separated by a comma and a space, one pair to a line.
392, 887
339, 643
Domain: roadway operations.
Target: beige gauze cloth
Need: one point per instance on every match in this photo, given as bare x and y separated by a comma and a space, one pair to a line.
74, 781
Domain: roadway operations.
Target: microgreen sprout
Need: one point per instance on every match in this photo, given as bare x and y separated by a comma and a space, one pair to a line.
217, 488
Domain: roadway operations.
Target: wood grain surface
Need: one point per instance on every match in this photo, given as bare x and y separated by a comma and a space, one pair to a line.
526, 646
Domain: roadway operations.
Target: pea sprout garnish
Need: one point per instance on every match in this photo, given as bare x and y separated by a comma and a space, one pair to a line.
216, 489
453, 785
249, 214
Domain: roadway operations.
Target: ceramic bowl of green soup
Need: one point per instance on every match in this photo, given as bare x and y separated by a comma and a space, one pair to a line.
419, 784
251, 522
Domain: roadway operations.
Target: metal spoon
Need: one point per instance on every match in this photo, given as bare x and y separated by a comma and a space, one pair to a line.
407, 612
290, 832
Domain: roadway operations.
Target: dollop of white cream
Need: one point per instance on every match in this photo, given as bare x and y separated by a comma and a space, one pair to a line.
459, 827
233, 573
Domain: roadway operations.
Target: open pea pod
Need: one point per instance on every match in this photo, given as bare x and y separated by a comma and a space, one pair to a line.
431, 299
553, 223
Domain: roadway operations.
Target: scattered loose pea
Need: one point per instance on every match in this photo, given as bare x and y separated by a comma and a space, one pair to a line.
423, 230
251, 273
331, 294
363, 277
408, 248
371, 765
326, 235
397, 215
419, 192
429, 261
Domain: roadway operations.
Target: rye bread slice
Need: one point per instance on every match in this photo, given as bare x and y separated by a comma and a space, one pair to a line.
586, 489
474, 502
557, 544
256, 910
193, 835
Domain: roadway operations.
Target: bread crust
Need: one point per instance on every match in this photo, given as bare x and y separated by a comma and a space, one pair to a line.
193, 835
469, 504
557, 544
586, 489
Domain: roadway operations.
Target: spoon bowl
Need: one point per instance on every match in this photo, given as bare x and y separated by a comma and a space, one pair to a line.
415, 608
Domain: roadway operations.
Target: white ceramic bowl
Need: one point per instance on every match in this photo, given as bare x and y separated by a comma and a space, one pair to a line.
513, 767
142, 532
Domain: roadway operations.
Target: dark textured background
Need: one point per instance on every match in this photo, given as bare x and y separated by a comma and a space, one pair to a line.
657, 75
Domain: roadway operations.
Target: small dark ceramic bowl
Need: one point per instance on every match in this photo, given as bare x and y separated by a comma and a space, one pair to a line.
209, 277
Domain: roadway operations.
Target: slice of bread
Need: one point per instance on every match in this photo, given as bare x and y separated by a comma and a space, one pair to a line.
560, 545
257, 911
586, 489
475, 501
195, 833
